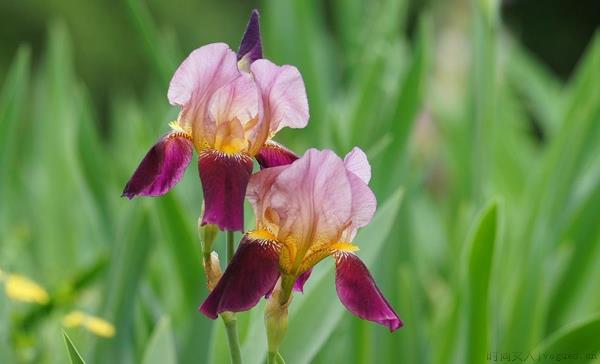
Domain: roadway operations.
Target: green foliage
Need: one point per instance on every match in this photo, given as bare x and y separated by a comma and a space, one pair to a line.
74, 356
444, 119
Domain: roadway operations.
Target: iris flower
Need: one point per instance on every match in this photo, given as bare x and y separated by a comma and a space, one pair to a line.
231, 107
305, 211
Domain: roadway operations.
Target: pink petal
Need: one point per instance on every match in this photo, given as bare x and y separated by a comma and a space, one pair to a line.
161, 168
364, 205
273, 154
356, 162
359, 293
312, 198
224, 180
251, 47
259, 186
252, 274
203, 72
236, 100
283, 95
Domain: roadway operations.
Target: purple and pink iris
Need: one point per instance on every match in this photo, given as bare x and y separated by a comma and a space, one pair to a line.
306, 209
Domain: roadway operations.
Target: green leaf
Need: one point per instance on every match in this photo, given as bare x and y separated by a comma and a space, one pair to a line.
580, 338
161, 346
73, 353
12, 102
480, 254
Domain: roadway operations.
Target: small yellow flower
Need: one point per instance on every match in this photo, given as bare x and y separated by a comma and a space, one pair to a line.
93, 324
20, 288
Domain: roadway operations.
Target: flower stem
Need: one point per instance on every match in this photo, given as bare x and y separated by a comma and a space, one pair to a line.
230, 246
229, 317
232, 337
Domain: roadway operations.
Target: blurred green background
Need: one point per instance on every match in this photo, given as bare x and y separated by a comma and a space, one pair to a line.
481, 120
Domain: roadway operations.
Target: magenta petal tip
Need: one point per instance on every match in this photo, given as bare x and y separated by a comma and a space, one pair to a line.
273, 154
162, 167
359, 293
301, 280
251, 275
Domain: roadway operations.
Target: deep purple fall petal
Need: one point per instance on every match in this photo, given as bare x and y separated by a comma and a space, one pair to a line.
161, 168
301, 280
251, 45
359, 293
252, 273
224, 180
273, 154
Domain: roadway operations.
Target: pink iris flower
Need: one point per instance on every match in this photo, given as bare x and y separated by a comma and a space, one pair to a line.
231, 107
305, 211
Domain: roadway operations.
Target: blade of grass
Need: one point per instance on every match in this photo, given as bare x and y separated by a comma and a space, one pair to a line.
74, 355
161, 347
481, 248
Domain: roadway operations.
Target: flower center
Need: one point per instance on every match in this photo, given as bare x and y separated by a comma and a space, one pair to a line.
230, 138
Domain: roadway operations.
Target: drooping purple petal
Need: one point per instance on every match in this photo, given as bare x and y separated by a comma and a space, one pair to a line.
162, 167
252, 273
224, 180
273, 154
301, 280
359, 293
251, 46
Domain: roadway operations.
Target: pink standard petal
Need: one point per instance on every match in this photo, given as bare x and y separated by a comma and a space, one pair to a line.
356, 162
283, 95
252, 273
201, 74
359, 293
161, 168
205, 70
236, 100
224, 180
312, 197
273, 154
301, 280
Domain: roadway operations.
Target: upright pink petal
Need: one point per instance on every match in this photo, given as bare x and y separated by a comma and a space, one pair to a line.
251, 46
204, 71
273, 154
356, 162
363, 199
311, 198
236, 100
359, 293
224, 180
252, 274
283, 95
161, 168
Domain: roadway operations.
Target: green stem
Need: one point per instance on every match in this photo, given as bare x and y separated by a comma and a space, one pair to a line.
230, 246
229, 317
232, 337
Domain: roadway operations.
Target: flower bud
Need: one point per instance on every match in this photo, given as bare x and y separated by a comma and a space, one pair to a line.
208, 233
276, 318
212, 269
